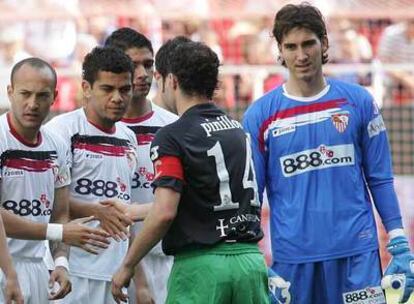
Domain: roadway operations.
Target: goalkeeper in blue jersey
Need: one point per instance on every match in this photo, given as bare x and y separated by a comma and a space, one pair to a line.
320, 149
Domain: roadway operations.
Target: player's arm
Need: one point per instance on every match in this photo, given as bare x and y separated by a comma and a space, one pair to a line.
73, 233
12, 289
59, 250
112, 220
156, 225
377, 165
135, 211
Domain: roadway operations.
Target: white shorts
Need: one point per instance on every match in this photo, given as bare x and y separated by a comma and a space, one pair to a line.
33, 278
157, 270
89, 291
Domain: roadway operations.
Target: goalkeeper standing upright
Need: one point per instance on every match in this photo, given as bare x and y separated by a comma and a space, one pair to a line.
320, 148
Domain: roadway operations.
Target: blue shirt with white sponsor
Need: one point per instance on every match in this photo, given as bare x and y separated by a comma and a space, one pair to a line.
319, 159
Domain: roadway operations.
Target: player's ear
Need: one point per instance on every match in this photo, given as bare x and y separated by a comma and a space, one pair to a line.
325, 44
86, 88
174, 81
55, 95
157, 75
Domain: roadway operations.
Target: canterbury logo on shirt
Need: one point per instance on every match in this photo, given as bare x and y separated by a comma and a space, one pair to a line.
317, 159
104, 145
33, 161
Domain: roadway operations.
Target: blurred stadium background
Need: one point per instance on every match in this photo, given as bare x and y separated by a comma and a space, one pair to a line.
363, 49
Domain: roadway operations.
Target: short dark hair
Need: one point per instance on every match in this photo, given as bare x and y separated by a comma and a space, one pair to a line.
106, 59
303, 15
163, 55
196, 67
36, 63
126, 38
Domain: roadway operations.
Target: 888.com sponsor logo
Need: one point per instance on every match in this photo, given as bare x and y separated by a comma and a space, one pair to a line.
27, 207
101, 188
316, 159
369, 295
142, 179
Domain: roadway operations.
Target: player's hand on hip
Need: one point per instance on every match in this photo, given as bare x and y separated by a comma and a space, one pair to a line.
59, 283
114, 221
119, 280
401, 265
278, 289
12, 292
75, 233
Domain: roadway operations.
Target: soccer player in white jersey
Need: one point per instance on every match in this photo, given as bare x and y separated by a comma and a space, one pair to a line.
34, 178
145, 119
103, 161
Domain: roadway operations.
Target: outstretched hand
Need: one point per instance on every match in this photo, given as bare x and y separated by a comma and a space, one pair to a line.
75, 233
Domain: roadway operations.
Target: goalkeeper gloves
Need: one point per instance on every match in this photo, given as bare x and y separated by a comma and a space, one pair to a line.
401, 267
278, 289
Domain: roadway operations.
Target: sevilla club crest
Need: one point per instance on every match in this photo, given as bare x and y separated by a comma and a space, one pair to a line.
340, 121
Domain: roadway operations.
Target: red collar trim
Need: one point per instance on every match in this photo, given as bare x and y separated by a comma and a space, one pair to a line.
20, 138
139, 118
108, 131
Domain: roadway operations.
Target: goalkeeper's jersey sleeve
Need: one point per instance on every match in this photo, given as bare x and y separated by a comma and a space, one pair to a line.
318, 158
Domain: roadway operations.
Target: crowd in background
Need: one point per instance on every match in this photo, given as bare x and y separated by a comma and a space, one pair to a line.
63, 40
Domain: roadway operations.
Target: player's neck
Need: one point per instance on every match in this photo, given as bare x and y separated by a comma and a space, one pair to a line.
186, 102
28, 136
138, 108
105, 125
305, 88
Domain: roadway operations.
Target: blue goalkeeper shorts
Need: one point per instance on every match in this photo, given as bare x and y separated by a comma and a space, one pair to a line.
350, 280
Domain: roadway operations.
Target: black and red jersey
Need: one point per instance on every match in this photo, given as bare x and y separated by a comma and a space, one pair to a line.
206, 157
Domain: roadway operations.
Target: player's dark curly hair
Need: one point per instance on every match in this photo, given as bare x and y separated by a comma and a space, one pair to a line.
105, 59
163, 55
126, 38
303, 15
196, 67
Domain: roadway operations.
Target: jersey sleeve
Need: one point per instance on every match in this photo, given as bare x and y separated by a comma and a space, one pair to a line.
377, 165
62, 176
252, 125
166, 156
56, 128
134, 151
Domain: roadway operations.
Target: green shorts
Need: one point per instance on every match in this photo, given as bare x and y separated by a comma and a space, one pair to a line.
224, 274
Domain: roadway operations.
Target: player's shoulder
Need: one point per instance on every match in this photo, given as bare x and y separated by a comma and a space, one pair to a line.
172, 132
351, 90
162, 114
54, 139
123, 128
264, 103
65, 121
4, 129
4, 125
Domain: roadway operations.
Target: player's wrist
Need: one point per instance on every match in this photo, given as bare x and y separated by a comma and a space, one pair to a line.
398, 245
396, 233
62, 261
10, 272
54, 232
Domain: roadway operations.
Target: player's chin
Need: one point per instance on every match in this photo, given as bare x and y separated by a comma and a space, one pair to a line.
32, 124
138, 94
116, 115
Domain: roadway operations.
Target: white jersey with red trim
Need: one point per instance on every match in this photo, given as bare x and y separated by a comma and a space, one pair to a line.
29, 175
102, 165
145, 128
